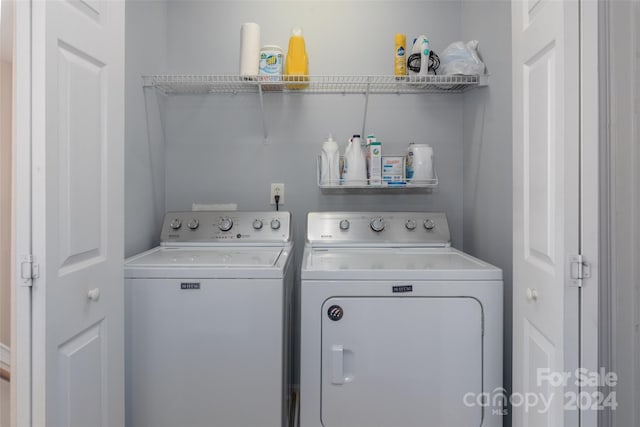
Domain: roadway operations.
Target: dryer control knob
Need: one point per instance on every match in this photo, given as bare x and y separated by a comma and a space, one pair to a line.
257, 224
275, 223
225, 223
429, 224
344, 224
377, 224
410, 224
193, 224
175, 223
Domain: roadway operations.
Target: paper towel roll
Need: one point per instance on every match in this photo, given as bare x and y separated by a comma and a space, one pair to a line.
249, 49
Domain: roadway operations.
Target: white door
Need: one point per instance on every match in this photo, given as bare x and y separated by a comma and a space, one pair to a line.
402, 362
546, 210
77, 201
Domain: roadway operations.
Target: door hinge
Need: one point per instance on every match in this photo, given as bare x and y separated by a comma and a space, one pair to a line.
579, 269
29, 269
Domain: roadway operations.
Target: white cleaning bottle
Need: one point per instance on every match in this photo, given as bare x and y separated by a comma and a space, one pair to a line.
330, 163
425, 51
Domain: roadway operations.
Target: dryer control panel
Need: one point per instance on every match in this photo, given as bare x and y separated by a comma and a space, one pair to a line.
200, 227
409, 229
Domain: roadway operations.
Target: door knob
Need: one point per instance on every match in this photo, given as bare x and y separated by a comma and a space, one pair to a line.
532, 294
94, 294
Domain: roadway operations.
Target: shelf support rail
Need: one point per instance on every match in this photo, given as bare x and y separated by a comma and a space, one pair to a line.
366, 106
264, 120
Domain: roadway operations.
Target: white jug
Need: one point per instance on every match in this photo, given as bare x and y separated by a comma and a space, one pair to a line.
355, 166
419, 164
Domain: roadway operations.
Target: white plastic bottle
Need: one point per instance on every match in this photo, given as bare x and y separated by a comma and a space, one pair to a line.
355, 167
330, 163
425, 50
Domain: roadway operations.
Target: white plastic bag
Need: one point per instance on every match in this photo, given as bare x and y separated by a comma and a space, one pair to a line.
461, 58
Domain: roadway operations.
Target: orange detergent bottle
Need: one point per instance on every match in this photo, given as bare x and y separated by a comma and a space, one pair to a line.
296, 66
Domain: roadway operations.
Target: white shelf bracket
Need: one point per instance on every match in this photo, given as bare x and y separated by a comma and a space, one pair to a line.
264, 120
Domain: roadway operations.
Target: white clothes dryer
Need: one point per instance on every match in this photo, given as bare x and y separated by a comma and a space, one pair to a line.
208, 317
398, 329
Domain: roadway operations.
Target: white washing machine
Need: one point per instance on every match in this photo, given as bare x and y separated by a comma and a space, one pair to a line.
398, 329
208, 322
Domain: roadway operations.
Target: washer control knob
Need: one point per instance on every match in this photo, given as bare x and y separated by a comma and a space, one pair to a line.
175, 223
275, 223
429, 224
193, 224
225, 223
257, 224
410, 224
344, 224
377, 224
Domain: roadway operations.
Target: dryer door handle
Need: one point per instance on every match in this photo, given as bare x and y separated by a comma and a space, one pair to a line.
337, 364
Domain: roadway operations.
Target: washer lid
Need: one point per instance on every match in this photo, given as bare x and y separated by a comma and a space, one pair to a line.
395, 264
210, 262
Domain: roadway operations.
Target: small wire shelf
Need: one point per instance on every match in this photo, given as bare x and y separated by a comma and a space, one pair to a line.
366, 186
203, 84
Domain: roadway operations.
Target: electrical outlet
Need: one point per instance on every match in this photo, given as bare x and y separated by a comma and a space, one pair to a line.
277, 189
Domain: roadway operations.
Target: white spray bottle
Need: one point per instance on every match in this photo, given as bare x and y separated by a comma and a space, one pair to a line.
425, 51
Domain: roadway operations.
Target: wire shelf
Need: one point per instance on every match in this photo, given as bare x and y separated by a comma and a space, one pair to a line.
366, 187
203, 84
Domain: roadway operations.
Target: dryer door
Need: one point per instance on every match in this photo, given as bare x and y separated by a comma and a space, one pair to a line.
402, 362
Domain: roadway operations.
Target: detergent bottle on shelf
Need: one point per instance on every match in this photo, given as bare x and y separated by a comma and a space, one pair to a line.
296, 65
330, 163
355, 166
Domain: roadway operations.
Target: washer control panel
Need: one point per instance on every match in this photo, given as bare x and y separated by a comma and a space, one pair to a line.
378, 228
226, 227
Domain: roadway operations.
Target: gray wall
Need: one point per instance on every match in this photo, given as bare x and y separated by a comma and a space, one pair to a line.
146, 52
487, 160
215, 151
